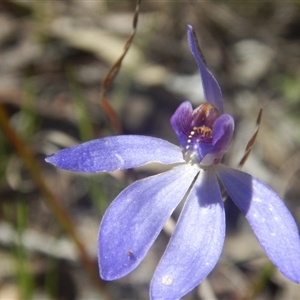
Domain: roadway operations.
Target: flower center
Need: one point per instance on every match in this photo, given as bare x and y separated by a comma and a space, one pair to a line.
200, 135
202, 131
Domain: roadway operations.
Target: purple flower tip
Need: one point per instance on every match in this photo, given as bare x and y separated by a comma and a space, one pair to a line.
211, 88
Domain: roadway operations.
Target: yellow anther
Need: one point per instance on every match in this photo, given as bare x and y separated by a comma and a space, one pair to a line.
204, 131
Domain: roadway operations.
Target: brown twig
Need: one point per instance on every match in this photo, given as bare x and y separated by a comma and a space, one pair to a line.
113, 72
251, 141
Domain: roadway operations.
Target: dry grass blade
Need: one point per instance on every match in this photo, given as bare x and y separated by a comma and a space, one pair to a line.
112, 73
251, 141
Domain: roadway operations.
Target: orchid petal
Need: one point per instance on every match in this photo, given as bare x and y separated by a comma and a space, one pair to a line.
181, 122
271, 221
211, 88
196, 244
223, 129
116, 153
134, 219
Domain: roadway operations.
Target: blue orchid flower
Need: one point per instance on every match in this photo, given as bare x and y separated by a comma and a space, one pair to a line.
135, 218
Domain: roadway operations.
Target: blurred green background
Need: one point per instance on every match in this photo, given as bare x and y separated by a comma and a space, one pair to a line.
53, 56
